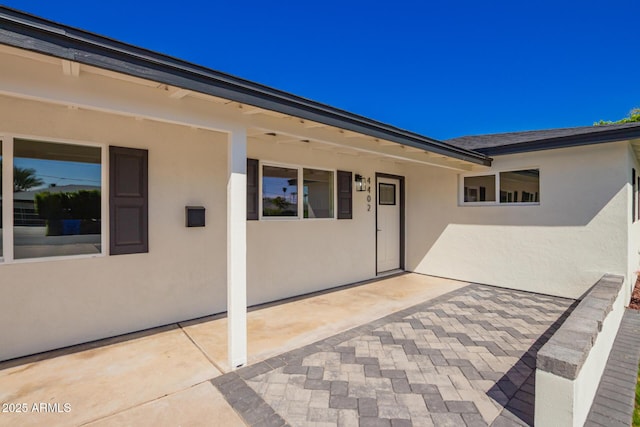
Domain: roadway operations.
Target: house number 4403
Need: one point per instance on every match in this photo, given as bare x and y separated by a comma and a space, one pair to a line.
369, 195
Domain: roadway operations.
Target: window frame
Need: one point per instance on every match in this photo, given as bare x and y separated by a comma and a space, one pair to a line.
461, 201
496, 174
300, 203
395, 191
8, 140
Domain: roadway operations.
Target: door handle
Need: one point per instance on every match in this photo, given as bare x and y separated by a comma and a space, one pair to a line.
377, 229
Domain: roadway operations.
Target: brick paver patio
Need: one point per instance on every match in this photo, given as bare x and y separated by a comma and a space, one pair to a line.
467, 357
615, 399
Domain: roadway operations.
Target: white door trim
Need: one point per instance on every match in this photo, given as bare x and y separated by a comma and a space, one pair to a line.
400, 196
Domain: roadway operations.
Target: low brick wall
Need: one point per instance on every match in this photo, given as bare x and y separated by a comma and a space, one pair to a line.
569, 366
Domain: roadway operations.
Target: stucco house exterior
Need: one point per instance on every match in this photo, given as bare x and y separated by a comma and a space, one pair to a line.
298, 196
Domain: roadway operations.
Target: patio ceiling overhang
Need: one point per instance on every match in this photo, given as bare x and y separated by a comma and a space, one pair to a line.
295, 132
262, 110
635, 146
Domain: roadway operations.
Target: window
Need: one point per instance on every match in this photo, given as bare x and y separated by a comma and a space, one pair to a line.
54, 204
480, 188
511, 187
386, 194
280, 192
318, 193
521, 186
57, 199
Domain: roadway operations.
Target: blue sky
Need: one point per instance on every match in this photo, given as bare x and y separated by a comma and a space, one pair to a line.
439, 68
62, 173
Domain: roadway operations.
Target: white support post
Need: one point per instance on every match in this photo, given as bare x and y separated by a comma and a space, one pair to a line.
237, 248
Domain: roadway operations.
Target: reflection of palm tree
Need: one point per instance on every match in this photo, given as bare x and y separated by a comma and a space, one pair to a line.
25, 179
280, 202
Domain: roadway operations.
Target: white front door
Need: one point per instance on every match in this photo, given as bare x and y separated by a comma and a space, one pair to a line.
388, 223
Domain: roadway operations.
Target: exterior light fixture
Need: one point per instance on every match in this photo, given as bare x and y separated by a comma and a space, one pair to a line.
361, 183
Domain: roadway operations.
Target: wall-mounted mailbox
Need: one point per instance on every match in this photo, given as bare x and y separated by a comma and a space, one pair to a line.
194, 216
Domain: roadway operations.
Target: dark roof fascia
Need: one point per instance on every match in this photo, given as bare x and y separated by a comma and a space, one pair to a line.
564, 142
36, 34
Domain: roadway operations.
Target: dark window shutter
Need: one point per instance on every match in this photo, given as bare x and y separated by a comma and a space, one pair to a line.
128, 201
345, 195
252, 189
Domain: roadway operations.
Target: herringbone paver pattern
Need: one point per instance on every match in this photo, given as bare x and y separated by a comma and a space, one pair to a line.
467, 358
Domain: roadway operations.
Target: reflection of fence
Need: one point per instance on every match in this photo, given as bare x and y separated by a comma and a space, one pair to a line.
26, 217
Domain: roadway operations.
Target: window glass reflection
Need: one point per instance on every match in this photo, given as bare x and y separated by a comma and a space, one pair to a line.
57, 199
279, 191
520, 186
480, 188
318, 193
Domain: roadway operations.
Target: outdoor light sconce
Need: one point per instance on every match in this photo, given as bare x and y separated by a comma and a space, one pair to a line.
361, 183
194, 216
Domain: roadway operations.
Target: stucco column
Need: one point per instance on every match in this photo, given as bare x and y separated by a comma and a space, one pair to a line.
237, 248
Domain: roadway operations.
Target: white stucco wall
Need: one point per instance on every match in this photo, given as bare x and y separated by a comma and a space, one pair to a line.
561, 247
49, 304
588, 380
565, 402
55, 303
289, 257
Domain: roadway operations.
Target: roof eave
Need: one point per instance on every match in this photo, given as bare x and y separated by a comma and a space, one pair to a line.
563, 142
35, 34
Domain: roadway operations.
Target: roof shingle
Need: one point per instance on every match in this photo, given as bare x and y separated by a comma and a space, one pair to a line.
513, 142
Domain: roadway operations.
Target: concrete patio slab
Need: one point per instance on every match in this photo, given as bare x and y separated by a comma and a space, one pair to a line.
100, 379
199, 406
403, 350
279, 328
